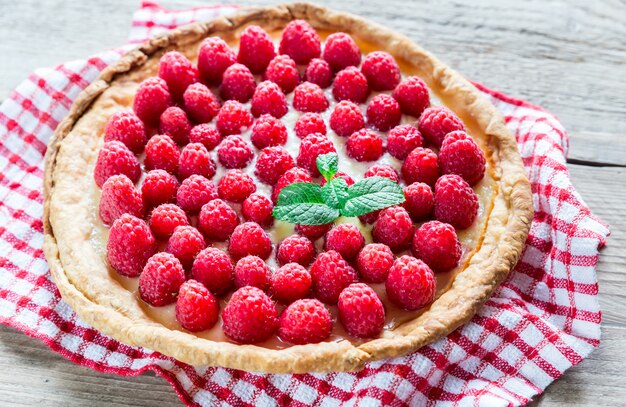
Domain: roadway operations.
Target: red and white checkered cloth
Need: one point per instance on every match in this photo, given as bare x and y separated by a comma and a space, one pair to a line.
542, 320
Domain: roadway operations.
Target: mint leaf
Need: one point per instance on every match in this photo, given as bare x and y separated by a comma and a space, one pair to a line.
328, 165
300, 192
302, 203
371, 194
335, 192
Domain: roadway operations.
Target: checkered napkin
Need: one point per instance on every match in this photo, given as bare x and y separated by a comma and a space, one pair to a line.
542, 320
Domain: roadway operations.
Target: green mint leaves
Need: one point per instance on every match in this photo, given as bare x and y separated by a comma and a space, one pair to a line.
306, 203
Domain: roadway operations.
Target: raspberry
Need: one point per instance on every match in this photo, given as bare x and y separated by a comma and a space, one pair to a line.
237, 83
461, 155
165, 219
305, 321
300, 41
130, 245
340, 174
119, 196
382, 170
174, 123
374, 261
361, 312
233, 118
250, 316
309, 97
296, 249
364, 145
393, 228
158, 187
437, 245
194, 192
272, 163
420, 166
437, 121
249, 239
331, 274
268, 98
235, 186
151, 99
350, 84
403, 139
340, 51
381, 70
346, 118
200, 103
410, 284
312, 146
252, 271
217, 220
455, 201
160, 279
318, 72
283, 72
369, 218
178, 72
383, 112
196, 308
214, 56
206, 135
310, 123
126, 127
185, 243
412, 95
258, 208
115, 158
346, 239
256, 49
234, 152
313, 232
162, 154
291, 282
215, 270
419, 201
288, 178
268, 131
195, 159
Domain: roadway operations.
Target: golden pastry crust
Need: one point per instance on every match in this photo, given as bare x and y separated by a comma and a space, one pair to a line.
109, 307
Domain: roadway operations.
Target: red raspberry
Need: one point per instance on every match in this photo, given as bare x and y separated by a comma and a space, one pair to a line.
235, 186
420, 166
340, 174
374, 261
214, 56
318, 72
461, 155
437, 121
382, 170
361, 312
300, 41
233, 118
178, 72
340, 51
412, 95
217, 220
119, 196
160, 279
195, 159
126, 127
174, 123
346, 118
364, 145
234, 152
151, 99
165, 219
237, 83
250, 316
130, 245
200, 103
252, 271
403, 139
115, 158
291, 282
381, 70
283, 72
162, 154
215, 270
288, 178
312, 146
256, 49
419, 201
296, 249
194, 192
393, 228
308, 97
258, 208
305, 321
331, 274
436, 244
369, 218
383, 112
185, 243
158, 187
272, 163
206, 135
346, 239
268, 131
410, 284
310, 123
350, 84
250, 239
196, 308
268, 98
456, 202
313, 232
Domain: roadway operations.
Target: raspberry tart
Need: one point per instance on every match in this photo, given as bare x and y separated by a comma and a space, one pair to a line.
289, 189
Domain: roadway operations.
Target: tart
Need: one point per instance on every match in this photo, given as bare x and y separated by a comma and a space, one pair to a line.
168, 188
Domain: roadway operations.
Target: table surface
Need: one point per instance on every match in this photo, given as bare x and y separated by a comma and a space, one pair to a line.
569, 57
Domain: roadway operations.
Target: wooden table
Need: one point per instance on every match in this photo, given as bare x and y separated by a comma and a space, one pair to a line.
568, 58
